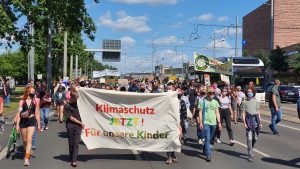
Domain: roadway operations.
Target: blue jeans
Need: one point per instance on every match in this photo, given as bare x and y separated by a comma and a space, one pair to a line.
208, 131
34, 137
185, 128
276, 118
199, 132
6, 100
44, 117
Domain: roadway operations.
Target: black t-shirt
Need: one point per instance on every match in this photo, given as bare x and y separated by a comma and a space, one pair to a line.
71, 109
192, 95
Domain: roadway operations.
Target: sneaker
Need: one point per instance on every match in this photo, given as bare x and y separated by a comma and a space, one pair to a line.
232, 142
208, 159
46, 128
276, 133
174, 160
26, 162
250, 159
200, 141
219, 141
169, 161
42, 129
270, 126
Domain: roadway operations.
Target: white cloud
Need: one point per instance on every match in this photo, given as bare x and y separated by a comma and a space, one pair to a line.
127, 41
222, 43
170, 57
167, 40
229, 31
205, 17
223, 48
147, 2
223, 18
124, 22
180, 14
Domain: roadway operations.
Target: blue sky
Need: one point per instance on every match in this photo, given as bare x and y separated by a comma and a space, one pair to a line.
167, 23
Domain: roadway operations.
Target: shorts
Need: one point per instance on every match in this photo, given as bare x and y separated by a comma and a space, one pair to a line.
59, 103
30, 122
234, 106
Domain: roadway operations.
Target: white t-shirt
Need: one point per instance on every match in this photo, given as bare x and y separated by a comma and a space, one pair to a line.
241, 96
224, 102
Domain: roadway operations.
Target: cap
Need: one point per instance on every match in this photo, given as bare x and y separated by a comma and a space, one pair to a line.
210, 90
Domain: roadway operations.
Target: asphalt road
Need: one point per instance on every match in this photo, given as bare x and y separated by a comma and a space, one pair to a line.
272, 152
288, 108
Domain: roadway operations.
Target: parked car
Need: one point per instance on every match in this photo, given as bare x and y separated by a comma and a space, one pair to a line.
287, 93
298, 87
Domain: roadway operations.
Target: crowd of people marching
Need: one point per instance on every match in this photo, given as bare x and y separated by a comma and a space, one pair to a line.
204, 107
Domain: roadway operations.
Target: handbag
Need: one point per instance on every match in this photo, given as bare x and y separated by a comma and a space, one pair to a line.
26, 113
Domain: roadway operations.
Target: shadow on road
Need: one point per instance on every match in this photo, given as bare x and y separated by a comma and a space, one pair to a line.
85, 158
266, 132
62, 134
291, 163
233, 153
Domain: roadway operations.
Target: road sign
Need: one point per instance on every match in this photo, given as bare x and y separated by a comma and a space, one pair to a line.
111, 50
39, 76
244, 42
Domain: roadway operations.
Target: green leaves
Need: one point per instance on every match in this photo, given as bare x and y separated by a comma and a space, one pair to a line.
14, 65
263, 57
278, 61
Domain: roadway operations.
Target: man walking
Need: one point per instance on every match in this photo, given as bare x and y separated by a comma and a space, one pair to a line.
275, 107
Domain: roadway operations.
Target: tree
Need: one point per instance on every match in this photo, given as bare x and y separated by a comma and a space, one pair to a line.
14, 64
245, 53
48, 18
278, 61
294, 61
260, 54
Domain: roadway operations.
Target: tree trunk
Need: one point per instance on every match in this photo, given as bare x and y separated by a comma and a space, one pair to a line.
49, 53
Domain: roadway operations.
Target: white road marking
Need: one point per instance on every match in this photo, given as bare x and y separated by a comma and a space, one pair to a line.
282, 125
3, 153
255, 150
136, 154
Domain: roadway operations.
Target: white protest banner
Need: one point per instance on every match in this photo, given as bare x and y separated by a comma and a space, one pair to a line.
40, 76
123, 82
102, 80
225, 79
135, 121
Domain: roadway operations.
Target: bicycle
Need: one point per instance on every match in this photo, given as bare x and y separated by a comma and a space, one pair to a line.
13, 143
2, 123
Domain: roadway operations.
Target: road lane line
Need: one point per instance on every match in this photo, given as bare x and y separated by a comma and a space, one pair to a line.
4, 151
255, 150
282, 125
137, 155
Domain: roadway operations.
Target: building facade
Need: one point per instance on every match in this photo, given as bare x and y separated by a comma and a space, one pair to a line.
257, 27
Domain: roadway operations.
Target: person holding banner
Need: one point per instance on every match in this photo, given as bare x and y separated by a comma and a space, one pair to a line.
74, 126
182, 128
209, 118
